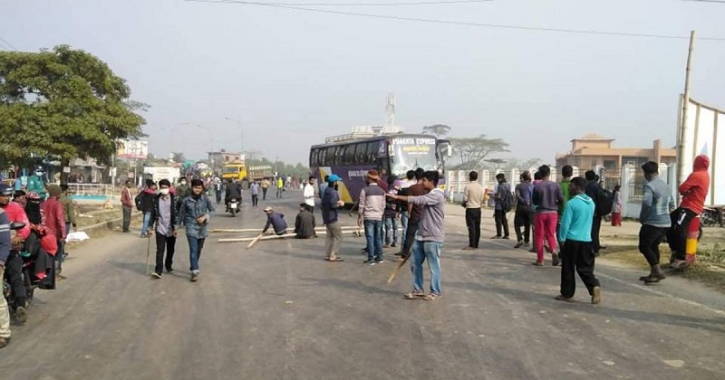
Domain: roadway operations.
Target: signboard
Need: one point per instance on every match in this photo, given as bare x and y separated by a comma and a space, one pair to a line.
132, 149
700, 136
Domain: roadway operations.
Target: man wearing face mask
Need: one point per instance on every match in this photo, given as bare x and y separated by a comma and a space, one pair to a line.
164, 218
14, 264
36, 183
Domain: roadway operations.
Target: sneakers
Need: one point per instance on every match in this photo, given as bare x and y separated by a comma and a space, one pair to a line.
194, 277
555, 259
496, 237
21, 314
156, 275
597, 295
519, 244
369, 262
379, 261
170, 270
4, 342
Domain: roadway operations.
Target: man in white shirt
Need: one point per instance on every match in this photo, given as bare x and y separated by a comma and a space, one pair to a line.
309, 194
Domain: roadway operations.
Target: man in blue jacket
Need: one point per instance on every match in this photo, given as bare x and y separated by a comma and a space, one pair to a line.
5, 246
330, 204
575, 240
194, 213
276, 220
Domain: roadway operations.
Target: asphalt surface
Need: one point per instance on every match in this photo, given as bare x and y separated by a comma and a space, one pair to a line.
278, 311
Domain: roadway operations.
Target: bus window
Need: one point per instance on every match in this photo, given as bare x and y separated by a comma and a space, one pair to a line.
350, 154
360, 152
372, 152
313, 157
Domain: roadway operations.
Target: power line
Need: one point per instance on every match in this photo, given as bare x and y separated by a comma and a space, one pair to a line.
8, 44
459, 23
350, 4
705, 1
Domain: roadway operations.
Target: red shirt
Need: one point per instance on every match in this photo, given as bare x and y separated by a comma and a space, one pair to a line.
126, 197
54, 216
694, 189
17, 214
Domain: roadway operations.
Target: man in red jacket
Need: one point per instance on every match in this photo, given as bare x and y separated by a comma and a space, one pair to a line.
54, 214
14, 263
682, 237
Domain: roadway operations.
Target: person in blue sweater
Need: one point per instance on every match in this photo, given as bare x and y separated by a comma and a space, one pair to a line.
276, 220
575, 240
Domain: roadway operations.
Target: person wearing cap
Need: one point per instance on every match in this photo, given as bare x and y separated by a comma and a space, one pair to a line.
372, 208
54, 214
330, 204
36, 183
276, 221
14, 263
195, 212
69, 208
305, 223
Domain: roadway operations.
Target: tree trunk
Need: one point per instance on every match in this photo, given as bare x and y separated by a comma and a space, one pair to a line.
64, 163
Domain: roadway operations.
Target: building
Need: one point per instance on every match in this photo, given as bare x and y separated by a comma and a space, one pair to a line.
222, 157
592, 151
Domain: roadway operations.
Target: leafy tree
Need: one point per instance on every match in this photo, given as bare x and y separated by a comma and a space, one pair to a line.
63, 103
437, 130
472, 151
178, 157
521, 164
494, 163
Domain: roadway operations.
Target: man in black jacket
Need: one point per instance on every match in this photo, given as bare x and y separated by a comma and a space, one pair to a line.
147, 206
305, 223
164, 220
233, 191
592, 190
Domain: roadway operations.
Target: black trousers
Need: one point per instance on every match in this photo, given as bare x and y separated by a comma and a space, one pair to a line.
577, 256
255, 200
264, 194
677, 235
596, 226
523, 218
164, 244
14, 269
473, 221
650, 238
501, 222
126, 218
410, 236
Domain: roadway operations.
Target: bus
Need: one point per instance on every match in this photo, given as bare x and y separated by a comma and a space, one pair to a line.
391, 155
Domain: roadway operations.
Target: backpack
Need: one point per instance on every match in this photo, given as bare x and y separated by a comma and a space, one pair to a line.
507, 202
605, 202
139, 201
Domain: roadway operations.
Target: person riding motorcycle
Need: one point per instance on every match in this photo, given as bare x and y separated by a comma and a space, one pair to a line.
232, 191
14, 264
36, 183
42, 244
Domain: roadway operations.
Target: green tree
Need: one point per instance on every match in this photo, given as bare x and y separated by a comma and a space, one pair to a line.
178, 157
473, 151
63, 103
438, 130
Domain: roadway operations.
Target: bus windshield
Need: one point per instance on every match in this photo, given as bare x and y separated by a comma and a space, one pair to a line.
410, 153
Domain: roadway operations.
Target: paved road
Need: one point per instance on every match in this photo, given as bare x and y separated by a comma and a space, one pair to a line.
280, 312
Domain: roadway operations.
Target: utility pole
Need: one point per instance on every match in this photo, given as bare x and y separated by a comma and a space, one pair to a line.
681, 135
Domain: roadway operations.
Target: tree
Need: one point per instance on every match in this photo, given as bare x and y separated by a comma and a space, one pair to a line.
472, 151
514, 163
437, 130
178, 157
495, 163
63, 103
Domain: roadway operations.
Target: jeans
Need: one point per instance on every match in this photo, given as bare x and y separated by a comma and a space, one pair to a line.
255, 200
431, 251
126, 218
391, 223
4, 314
523, 218
502, 222
279, 192
333, 240
545, 229
218, 196
473, 222
167, 244
577, 256
146, 223
404, 217
374, 237
195, 247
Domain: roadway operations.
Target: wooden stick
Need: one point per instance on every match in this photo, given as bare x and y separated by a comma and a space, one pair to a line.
255, 241
395, 272
148, 254
260, 230
273, 237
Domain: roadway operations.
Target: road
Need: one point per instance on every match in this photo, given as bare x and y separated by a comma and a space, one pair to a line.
279, 311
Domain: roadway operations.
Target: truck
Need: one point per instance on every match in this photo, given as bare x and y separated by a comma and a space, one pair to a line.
237, 170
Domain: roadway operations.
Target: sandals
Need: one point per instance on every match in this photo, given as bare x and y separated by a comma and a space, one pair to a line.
432, 297
414, 295
335, 260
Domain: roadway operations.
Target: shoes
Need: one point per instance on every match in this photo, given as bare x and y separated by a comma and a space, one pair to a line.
170, 270
565, 299
468, 248
416, 294
432, 297
652, 279
21, 314
519, 244
392, 245
555, 259
369, 262
4, 342
597, 295
379, 261
496, 237
194, 277
506, 238
538, 263
156, 275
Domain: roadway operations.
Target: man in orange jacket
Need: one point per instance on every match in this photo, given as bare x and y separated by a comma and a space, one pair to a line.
682, 237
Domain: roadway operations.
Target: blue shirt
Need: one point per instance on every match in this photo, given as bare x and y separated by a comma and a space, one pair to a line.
656, 204
193, 208
277, 222
576, 222
329, 205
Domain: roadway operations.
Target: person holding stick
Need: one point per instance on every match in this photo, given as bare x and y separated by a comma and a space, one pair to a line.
164, 218
276, 220
195, 213
330, 204
429, 238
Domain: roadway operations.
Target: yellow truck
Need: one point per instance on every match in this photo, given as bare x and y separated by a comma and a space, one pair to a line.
234, 170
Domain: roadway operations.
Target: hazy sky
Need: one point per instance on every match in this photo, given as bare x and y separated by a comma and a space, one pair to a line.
294, 77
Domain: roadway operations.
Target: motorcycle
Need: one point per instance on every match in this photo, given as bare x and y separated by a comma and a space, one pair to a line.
26, 273
711, 217
233, 207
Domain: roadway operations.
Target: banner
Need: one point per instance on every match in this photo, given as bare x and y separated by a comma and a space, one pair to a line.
132, 149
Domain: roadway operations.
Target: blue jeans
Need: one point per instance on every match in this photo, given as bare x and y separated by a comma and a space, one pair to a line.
195, 247
431, 251
404, 217
374, 237
391, 223
146, 222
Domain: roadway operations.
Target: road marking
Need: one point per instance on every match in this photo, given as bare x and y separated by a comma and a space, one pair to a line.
643, 288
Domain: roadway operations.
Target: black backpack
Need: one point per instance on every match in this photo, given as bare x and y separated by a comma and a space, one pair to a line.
507, 201
139, 201
605, 202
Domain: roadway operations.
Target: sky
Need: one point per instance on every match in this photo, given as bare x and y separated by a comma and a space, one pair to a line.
290, 78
